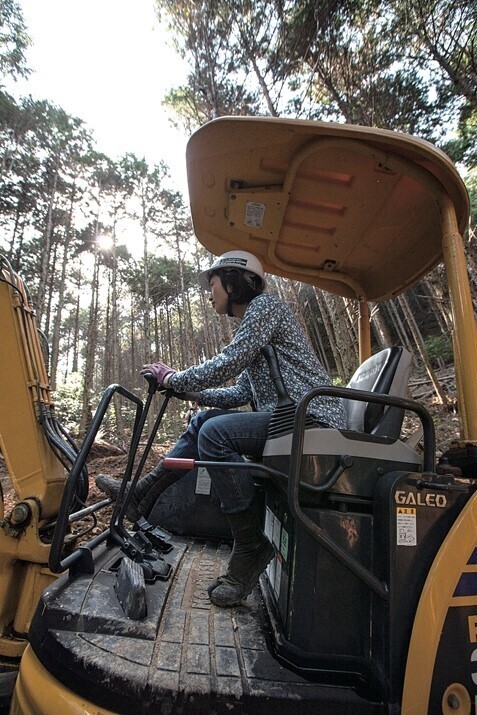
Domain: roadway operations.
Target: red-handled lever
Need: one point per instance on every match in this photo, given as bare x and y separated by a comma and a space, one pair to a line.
178, 463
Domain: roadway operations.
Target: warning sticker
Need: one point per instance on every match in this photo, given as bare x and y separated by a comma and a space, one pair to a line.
406, 526
269, 519
268, 529
276, 532
254, 214
202, 485
284, 544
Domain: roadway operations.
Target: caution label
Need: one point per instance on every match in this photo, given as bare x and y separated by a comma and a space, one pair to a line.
254, 214
406, 534
204, 482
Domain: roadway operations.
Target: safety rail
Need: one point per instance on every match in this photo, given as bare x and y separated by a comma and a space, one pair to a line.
58, 564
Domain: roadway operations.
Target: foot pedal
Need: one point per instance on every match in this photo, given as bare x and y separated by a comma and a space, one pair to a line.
158, 536
138, 548
130, 588
156, 569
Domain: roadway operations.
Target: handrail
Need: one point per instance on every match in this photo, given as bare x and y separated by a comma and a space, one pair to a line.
56, 563
118, 532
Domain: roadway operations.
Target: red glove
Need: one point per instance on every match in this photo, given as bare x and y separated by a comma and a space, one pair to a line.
159, 370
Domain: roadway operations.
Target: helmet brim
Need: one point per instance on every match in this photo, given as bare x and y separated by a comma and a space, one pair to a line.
204, 279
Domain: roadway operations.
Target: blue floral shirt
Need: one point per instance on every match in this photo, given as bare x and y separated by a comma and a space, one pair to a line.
267, 320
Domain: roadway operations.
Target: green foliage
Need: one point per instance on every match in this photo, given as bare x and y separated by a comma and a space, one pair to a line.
471, 183
442, 35
227, 44
400, 64
438, 347
68, 400
344, 52
14, 40
164, 276
463, 148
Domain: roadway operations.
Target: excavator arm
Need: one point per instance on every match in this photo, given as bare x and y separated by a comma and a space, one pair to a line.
36, 453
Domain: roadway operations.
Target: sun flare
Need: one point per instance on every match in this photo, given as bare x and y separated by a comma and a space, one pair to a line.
104, 241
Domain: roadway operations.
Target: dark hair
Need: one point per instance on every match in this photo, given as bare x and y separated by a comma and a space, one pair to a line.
245, 285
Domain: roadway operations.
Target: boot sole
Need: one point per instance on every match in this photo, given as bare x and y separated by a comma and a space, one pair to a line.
112, 491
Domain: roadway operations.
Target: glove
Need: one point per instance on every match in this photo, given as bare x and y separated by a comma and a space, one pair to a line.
160, 371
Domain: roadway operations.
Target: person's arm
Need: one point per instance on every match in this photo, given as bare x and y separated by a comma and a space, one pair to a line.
261, 320
188, 396
227, 397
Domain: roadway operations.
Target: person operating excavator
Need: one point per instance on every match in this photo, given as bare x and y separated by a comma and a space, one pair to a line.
236, 282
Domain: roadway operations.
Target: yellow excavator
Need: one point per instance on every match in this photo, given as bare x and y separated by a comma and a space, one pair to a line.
370, 605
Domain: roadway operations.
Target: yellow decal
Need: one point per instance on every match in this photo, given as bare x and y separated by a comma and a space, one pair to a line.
472, 621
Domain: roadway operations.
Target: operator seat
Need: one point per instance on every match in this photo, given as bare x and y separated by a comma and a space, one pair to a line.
387, 372
370, 442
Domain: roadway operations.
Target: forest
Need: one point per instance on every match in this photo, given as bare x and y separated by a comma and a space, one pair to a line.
104, 308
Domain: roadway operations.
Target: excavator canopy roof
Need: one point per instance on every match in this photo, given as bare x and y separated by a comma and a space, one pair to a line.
353, 210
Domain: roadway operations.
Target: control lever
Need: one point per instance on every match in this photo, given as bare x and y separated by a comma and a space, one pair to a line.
151, 380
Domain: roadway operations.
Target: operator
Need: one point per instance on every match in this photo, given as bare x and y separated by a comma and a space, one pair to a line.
236, 283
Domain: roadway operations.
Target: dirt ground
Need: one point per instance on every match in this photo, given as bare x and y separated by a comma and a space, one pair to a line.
109, 459
104, 459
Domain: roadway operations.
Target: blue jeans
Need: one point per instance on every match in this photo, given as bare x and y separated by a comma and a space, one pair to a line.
225, 436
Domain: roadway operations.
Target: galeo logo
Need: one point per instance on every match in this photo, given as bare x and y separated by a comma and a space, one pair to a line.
410, 499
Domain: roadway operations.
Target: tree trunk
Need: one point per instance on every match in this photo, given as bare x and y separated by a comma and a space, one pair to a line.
441, 396
317, 341
74, 367
341, 329
146, 319
55, 341
115, 337
133, 341
329, 331
45, 256
90, 359
380, 328
399, 326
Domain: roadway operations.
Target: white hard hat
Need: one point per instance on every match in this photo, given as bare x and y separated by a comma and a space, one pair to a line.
234, 259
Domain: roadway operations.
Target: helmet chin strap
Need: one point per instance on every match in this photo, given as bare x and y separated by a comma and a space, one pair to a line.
229, 306
229, 297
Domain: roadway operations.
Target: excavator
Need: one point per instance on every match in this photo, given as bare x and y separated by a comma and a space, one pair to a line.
370, 604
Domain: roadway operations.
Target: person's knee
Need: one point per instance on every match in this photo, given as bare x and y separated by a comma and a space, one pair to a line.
196, 423
204, 416
212, 439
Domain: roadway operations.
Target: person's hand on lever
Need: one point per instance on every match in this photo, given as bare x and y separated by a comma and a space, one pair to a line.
161, 372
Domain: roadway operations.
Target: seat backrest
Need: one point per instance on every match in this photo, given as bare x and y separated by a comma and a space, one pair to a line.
387, 372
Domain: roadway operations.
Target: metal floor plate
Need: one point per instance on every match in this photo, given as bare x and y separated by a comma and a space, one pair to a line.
186, 656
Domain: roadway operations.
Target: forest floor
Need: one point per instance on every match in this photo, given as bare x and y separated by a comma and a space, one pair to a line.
106, 458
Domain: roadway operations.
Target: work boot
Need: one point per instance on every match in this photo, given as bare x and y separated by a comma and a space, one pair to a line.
251, 553
147, 491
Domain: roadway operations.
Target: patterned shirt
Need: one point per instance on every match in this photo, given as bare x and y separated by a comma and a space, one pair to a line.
267, 320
